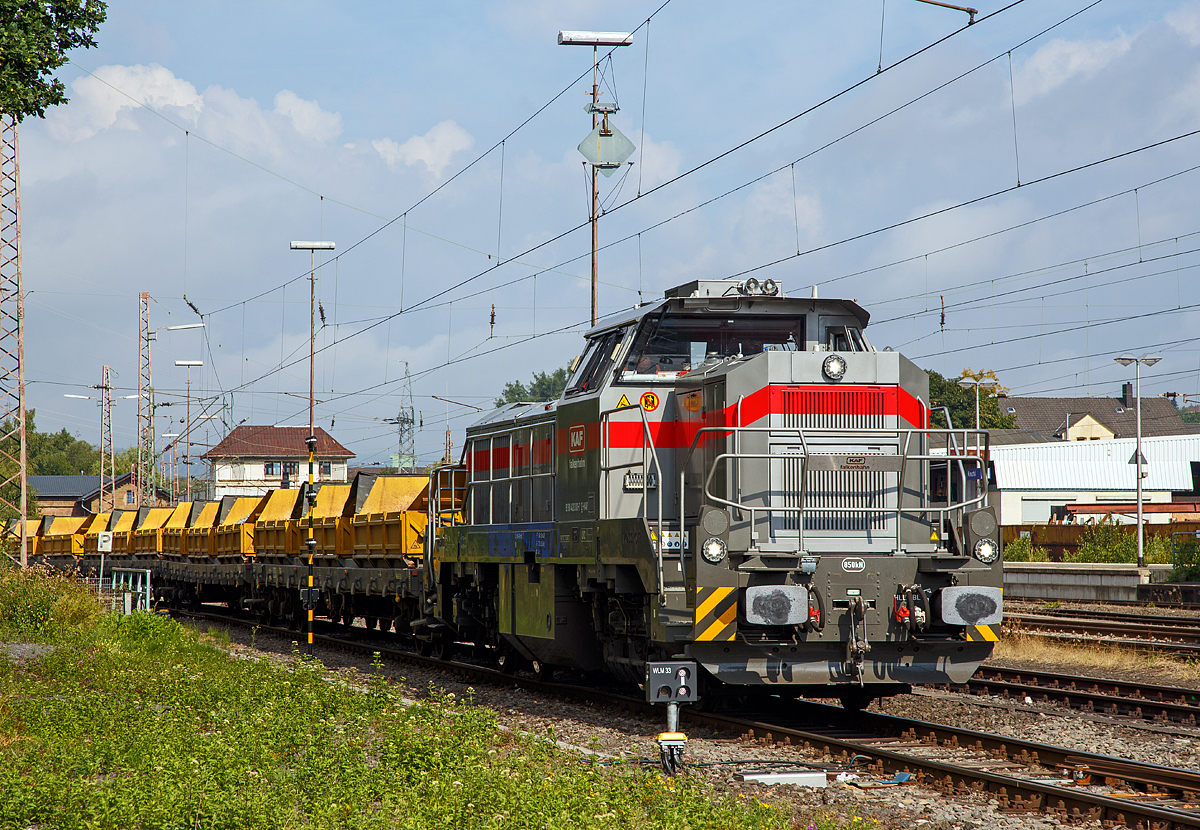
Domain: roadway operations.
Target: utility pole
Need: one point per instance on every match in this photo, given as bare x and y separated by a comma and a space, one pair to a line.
147, 458
108, 465
14, 484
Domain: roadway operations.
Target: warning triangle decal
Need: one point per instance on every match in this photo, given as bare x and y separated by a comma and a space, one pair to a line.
623, 402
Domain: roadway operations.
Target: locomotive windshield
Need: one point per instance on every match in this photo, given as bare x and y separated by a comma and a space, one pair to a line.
668, 345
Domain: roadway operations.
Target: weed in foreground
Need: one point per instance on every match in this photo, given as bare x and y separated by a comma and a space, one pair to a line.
147, 725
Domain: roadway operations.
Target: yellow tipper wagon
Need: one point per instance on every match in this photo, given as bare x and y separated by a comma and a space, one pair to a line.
175, 530
122, 528
331, 527
233, 538
199, 539
275, 537
63, 537
389, 529
147, 536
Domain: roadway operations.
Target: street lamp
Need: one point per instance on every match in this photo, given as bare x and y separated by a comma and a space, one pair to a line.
310, 542
187, 426
967, 383
1138, 459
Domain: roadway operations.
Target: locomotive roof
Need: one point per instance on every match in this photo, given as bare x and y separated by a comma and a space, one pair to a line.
694, 295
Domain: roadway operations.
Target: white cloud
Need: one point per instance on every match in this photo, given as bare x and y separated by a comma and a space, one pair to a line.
1186, 21
434, 149
98, 101
308, 118
660, 161
1060, 60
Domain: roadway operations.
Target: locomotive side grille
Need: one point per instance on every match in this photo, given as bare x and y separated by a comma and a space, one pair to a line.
827, 408
841, 489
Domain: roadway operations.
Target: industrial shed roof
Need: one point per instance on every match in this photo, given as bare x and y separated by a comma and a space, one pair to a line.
1097, 465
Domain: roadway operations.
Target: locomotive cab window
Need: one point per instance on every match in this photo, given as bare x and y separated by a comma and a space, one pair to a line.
669, 345
596, 362
845, 339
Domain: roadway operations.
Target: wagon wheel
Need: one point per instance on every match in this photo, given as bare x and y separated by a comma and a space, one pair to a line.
542, 672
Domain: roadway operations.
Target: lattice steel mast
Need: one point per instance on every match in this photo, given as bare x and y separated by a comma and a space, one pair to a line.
14, 483
406, 425
108, 466
147, 467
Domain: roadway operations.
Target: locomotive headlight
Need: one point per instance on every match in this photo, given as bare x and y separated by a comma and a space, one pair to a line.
770, 288
986, 551
750, 286
834, 367
713, 550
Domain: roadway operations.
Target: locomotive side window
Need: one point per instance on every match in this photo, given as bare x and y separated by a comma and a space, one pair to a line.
500, 486
596, 362
541, 455
669, 345
481, 458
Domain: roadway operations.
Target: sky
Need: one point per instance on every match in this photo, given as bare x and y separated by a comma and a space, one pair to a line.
1019, 194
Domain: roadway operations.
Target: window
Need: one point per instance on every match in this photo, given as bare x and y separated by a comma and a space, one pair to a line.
130, 498
272, 468
291, 468
325, 468
601, 353
668, 345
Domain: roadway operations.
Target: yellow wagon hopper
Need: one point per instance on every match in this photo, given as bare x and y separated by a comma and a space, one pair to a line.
62, 539
171, 543
331, 525
122, 529
275, 536
389, 528
198, 541
233, 537
33, 539
146, 538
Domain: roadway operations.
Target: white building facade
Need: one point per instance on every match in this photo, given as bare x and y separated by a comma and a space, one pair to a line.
1037, 482
254, 459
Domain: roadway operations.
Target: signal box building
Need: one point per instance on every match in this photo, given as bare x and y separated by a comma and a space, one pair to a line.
254, 459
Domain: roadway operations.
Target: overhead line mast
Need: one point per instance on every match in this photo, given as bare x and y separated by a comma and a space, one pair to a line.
606, 149
147, 458
14, 482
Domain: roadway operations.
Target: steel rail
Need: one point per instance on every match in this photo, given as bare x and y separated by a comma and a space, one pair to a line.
783, 726
1090, 694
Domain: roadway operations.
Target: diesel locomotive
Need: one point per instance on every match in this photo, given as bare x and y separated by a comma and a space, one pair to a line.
731, 476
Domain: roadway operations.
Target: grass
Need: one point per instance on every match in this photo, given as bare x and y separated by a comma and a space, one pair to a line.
1019, 648
138, 722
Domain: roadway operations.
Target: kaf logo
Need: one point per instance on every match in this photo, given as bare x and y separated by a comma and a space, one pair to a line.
577, 439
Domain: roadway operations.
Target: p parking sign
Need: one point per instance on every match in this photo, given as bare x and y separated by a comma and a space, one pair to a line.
104, 541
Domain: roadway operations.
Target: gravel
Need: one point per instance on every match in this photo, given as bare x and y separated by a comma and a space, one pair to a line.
719, 757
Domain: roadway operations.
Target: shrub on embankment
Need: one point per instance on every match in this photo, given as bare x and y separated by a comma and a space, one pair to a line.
138, 722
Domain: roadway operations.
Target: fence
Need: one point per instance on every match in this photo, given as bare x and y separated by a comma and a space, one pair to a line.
1063, 540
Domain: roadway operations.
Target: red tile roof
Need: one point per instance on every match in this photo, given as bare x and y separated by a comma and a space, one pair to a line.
275, 442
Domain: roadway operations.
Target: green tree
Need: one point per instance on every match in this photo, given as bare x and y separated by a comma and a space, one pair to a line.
961, 401
543, 387
35, 36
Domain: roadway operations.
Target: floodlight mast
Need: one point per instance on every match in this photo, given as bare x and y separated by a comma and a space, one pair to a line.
595, 40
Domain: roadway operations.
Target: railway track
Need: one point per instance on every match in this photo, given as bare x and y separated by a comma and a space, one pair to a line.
1022, 775
1164, 704
1138, 632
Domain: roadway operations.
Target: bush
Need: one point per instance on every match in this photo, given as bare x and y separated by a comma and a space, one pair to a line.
1187, 562
1109, 543
39, 603
1023, 550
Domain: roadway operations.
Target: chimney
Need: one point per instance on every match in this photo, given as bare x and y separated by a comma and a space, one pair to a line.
1127, 395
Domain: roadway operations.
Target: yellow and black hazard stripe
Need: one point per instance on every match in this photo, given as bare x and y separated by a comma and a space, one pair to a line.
716, 614
979, 633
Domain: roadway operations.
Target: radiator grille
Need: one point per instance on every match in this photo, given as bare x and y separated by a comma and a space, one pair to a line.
827, 408
853, 489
